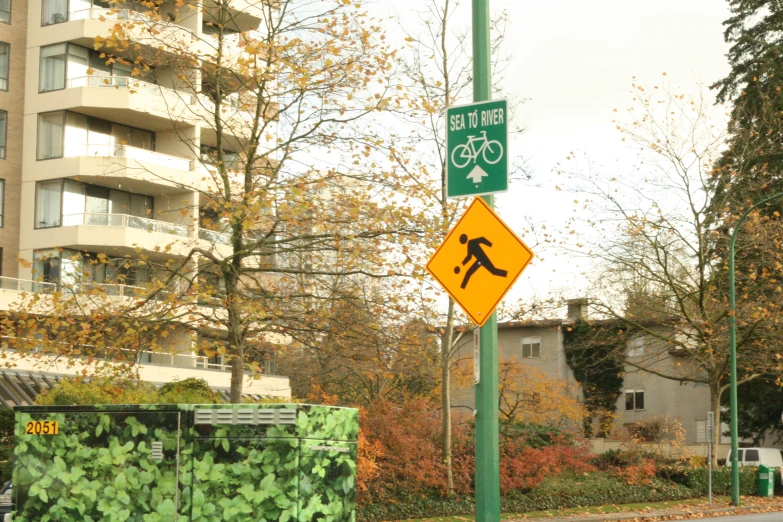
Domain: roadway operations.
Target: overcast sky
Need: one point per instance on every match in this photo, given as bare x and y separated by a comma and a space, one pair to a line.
575, 61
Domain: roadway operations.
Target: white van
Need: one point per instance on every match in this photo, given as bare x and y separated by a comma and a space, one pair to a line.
770, 457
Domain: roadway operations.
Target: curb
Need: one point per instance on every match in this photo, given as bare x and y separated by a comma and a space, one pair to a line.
660, 515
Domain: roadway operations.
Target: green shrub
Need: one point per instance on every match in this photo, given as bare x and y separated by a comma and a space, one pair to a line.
695, 478
565, 491
533, 435
99, 390
188, 391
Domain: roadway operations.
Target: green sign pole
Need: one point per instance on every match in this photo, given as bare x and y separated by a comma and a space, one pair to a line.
487, 439
735, 491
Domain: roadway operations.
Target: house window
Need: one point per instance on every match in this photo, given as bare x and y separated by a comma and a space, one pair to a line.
636, 347
5, 11
5, 50
531, 347
701, 431
634, 400
3, 132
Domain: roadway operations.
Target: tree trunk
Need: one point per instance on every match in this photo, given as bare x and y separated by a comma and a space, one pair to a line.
445, 394
237, 375
715, 394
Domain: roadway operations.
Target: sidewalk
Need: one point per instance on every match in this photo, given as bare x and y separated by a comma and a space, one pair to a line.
720, 508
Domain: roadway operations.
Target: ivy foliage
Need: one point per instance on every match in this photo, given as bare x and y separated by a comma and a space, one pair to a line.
101, 466
594, 352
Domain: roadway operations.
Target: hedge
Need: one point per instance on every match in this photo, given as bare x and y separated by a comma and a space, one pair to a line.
696, 480
565, 491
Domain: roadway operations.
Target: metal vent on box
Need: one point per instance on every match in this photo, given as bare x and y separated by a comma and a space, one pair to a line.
157, 451
229, 416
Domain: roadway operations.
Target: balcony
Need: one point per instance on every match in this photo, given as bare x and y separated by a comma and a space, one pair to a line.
132, 101
149, 157
125, 220
143, 30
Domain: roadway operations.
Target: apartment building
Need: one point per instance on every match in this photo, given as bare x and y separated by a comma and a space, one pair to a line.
97, 161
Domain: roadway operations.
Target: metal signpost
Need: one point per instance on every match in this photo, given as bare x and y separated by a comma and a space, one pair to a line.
710, 421
477, 145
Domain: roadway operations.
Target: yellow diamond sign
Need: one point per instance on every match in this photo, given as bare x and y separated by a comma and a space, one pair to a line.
479, 261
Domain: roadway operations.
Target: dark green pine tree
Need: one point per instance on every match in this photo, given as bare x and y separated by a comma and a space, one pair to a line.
752, 165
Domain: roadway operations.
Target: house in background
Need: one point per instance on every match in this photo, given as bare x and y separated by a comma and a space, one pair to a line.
645, 396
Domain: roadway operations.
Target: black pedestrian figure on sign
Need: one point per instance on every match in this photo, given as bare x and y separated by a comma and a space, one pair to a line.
482, 259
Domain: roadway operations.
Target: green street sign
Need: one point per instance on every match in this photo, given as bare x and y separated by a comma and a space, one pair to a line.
477, 149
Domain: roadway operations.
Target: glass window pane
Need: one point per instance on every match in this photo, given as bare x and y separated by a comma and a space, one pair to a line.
5, 11
48, 198
75, 134
629, 401
119, 202
3, 133
51, 75
78, 63
5, 49
50, 135
2, 206
537, 350
525, 350
142, 139
739, 455
141, 205
97, 200
639, 400
54, 11
73, 203
751, 455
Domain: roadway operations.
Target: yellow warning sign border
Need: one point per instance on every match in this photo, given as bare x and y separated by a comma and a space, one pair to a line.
479, 201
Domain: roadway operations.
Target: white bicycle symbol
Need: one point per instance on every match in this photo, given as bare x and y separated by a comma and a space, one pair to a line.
491, 151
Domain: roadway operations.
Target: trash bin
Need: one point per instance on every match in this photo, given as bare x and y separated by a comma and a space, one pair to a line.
766, 481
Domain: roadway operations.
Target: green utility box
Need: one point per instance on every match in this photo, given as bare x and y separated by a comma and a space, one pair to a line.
185, 463
766, 481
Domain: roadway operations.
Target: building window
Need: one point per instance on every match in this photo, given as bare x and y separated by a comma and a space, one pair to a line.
3, 133
5, 49
51, 127
54, 11
636, 347
634, 400
5, 11
73, 203
48, 203
2, 206
531, 347
71, 134
67, 65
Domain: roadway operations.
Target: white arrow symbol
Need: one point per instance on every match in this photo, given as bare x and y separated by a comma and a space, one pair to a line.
477, 174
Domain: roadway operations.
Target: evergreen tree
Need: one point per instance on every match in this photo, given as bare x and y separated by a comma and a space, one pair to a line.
751, 167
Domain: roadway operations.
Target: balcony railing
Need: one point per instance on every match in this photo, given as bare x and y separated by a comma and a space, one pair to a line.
124, 220
213, 236
102, 13
169, 96
126, 151
25, 285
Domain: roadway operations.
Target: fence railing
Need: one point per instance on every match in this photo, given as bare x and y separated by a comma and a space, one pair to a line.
125, 220
127, 151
